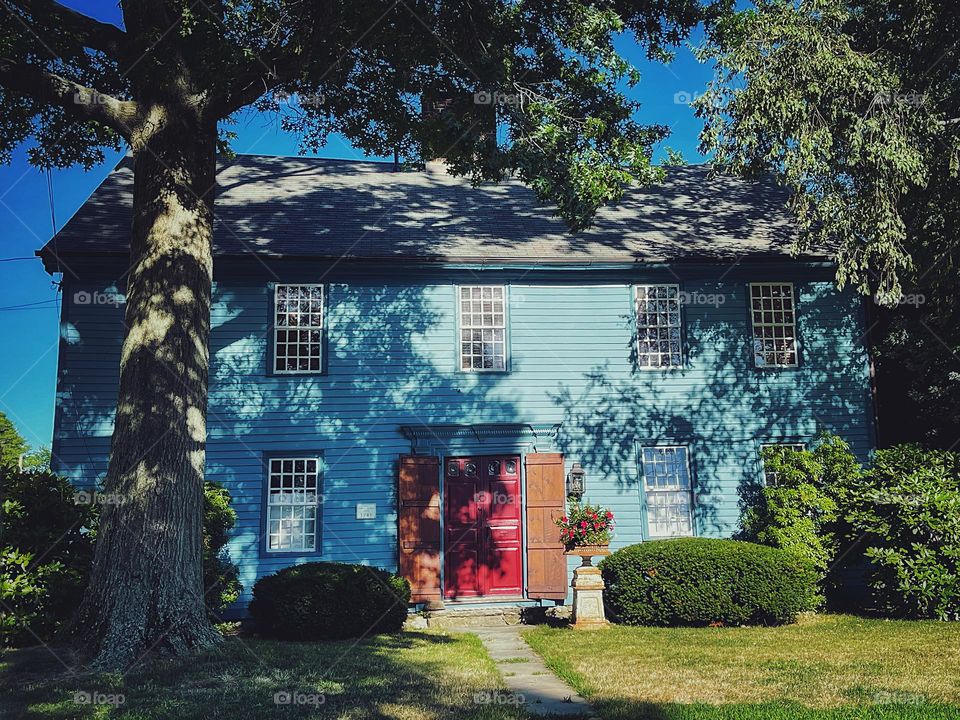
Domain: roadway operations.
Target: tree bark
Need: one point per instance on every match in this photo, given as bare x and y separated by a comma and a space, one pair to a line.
146, 587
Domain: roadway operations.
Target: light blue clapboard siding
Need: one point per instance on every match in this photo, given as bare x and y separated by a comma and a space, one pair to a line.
392, 361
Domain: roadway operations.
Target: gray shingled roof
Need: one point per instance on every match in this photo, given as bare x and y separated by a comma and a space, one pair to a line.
292, 206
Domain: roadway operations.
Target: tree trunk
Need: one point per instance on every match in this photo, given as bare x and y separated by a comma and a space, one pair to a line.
146, 588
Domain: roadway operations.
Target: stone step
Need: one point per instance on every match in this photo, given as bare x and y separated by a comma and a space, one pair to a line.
453, 618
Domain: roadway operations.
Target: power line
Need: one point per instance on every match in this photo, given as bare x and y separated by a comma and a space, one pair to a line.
11, 259
29, 305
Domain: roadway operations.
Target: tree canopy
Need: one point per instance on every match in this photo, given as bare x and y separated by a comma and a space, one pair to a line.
854, 105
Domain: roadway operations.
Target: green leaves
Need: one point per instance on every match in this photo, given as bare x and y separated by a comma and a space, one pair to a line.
802, 93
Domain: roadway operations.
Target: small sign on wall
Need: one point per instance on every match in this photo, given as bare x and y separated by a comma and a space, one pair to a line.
366, 511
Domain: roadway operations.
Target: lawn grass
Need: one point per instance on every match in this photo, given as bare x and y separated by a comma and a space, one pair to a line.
828, 667
414, 675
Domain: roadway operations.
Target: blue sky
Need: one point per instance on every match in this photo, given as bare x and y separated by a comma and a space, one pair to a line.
28, 360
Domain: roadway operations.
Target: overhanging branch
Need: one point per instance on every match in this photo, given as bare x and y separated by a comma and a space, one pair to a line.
76, 99
91, 33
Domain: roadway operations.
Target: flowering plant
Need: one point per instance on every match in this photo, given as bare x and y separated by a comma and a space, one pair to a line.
585, 525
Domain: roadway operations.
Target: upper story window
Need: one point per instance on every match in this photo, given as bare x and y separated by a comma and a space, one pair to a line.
658, 326
298, 329
773, 312
483, 327
771, 477
668, 491
293, 496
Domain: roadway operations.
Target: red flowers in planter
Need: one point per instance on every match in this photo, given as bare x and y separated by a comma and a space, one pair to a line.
585, 525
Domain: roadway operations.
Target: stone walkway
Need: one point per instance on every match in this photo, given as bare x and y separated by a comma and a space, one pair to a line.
526, 676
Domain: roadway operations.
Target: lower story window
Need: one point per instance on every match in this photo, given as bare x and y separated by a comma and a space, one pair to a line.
668, 491
293, 496
774, 452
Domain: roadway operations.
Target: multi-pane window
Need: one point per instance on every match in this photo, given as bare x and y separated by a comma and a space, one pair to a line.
770, 476
668, 491
293, 495
483, 327
658, 326
298, 329
773, 311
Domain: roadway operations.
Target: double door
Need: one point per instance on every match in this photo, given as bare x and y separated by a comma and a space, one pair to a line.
483, 548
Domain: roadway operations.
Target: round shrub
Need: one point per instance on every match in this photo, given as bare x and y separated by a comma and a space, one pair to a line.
329, 601
702, 581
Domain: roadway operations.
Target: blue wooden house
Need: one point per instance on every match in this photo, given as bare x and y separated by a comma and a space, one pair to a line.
407, 371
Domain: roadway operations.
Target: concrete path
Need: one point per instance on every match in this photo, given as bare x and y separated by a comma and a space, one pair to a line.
540, 691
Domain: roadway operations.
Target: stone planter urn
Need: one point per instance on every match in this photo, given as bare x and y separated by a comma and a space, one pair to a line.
588, 588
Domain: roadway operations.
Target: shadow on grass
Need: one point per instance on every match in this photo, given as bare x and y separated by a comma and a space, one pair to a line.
410, 675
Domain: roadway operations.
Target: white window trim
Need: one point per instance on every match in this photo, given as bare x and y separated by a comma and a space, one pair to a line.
322, 328
461, 328
647, 491
764, 445
317, 519
753, 325
636, 319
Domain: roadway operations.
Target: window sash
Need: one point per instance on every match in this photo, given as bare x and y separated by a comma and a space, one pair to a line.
298, 323
659, 326
482, 314
668, 491
292, 507
770, 478
773, 314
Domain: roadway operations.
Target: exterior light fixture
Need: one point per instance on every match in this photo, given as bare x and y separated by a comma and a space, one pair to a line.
576, 481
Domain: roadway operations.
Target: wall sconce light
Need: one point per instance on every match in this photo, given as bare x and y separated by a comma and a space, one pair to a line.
576, 481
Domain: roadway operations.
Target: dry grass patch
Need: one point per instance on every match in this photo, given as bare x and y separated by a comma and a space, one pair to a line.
827, 661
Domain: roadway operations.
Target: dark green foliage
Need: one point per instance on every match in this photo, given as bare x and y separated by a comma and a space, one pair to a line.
702, 581
47, 543
906, 511
47, 534
329, 601
221, 585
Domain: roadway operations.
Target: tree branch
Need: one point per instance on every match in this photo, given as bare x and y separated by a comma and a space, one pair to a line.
91, 32
78, 100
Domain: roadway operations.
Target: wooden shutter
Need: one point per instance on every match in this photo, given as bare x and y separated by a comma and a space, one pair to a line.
418, 516
546, 563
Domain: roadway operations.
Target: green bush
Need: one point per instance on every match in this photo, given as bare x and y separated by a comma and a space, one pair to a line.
46, 543
329, 601
221, 584
905, 511
800, 512
702, 581
48, 521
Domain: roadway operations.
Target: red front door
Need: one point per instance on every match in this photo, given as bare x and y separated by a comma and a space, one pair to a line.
482, 529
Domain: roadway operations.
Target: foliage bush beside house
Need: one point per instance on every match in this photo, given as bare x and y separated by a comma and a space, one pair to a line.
329, 601
900, 515
47, 535
703, 581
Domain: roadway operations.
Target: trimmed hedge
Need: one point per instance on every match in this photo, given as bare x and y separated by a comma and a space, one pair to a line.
703, 581
329, 601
